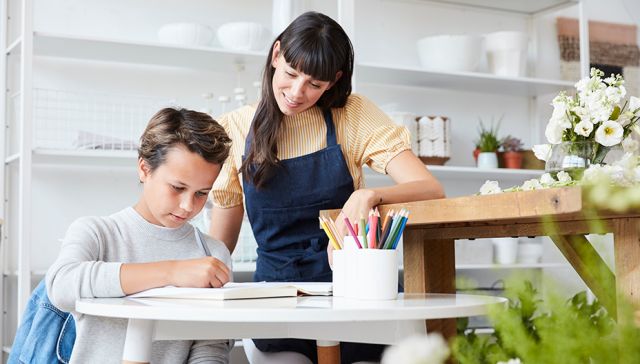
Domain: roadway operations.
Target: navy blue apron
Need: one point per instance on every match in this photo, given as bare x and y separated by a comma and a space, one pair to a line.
284, 219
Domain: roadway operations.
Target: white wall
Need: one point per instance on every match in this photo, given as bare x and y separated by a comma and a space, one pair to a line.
385, 32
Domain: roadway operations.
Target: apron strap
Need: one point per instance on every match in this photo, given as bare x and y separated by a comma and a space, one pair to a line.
331, 129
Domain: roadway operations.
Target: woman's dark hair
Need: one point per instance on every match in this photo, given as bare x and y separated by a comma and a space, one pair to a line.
316, 45
197, 131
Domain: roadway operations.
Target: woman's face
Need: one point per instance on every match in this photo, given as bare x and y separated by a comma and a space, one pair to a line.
177, 190
294, 90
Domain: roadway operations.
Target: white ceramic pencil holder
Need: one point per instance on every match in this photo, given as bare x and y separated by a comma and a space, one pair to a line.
366, 274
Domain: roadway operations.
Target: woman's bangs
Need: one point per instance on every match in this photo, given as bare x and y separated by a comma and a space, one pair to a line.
313, 60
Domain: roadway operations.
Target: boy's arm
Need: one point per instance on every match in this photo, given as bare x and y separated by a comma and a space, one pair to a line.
78, 272
225, 225
201, 272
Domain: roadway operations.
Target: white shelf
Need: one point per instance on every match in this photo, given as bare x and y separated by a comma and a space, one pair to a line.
516, 176
528, 7
512, 266
35, 273
373, 73
116, 50
87, 158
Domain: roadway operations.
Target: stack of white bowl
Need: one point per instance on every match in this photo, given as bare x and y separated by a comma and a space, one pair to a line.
506, 53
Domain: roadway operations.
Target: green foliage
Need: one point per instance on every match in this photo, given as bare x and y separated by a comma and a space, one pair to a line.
552, 331
488, 140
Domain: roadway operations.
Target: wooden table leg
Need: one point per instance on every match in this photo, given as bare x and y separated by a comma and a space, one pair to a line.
328, 352
137, 342
590, 267
626, 238
429, 267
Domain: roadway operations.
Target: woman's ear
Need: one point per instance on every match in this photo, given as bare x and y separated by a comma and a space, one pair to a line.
338, 75
143, 170
275, 53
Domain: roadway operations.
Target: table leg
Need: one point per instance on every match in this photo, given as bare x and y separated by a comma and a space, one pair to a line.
429, 266
590, 267
626, 239
137, 343
328, 352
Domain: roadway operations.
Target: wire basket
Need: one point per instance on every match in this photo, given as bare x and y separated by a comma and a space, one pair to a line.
73, 120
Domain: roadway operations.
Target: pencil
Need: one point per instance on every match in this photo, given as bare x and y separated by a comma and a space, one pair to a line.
334, 230
403, 223
363, 232
353, 233
331, 238
387, 229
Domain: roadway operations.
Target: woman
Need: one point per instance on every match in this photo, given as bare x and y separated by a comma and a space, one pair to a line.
301, 150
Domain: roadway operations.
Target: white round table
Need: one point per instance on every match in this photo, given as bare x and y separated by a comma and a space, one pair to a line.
328, 320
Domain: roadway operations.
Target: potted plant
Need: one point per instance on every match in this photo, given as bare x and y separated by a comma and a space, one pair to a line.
512, 146
487, 145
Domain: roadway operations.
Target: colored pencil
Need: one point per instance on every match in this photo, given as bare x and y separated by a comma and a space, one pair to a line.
331, 238
363, 232
353, 233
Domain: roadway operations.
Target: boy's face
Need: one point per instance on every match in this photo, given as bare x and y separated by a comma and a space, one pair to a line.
177, 190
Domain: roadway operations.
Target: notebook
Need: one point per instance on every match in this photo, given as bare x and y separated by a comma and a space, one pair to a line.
234, 291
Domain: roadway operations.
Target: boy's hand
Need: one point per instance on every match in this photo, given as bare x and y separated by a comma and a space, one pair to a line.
202, 272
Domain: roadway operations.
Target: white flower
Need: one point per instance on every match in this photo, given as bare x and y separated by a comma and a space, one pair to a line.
423, 349
594, 173
554, 131
547, 179
625, 118
490, 188
584, 128
630, 145
532, 184
511, 361
542, 151
609, 133
563, 176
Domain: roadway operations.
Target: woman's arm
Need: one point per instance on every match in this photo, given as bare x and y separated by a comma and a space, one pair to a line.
225, 225
413, 183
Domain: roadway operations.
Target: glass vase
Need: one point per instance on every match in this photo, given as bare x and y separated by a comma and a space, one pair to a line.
575, 157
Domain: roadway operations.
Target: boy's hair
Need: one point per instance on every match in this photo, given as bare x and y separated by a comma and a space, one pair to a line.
197, 131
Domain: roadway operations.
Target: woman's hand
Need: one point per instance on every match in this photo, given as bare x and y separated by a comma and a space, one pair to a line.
202, 272
357, 206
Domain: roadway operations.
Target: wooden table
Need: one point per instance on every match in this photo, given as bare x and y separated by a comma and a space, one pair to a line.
560, 213
327, 320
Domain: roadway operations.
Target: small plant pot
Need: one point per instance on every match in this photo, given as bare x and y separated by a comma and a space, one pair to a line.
512, 160
475, 154
487, 160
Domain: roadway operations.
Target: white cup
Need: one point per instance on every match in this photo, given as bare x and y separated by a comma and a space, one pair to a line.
505, 250
339, 267
366, 274
377, 275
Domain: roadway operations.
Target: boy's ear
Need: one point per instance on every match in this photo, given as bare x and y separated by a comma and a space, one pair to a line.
143, 170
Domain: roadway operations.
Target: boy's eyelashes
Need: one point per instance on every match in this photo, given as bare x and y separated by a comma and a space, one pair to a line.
198, 193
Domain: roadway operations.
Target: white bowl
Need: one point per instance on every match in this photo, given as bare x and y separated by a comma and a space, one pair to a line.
243, 36
185, 34
452, 53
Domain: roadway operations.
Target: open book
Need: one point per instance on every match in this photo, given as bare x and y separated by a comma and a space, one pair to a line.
233, 291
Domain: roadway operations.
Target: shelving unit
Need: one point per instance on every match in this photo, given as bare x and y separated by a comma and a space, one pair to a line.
24, 45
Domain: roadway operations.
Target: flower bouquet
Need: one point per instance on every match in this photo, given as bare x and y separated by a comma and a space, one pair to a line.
583, 128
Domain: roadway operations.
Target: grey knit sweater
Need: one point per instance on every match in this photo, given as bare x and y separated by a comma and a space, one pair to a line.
89, 263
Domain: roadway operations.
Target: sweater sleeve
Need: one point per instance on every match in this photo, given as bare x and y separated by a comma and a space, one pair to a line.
78, 271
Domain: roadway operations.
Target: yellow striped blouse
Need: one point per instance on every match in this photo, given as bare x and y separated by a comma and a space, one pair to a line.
365, 133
